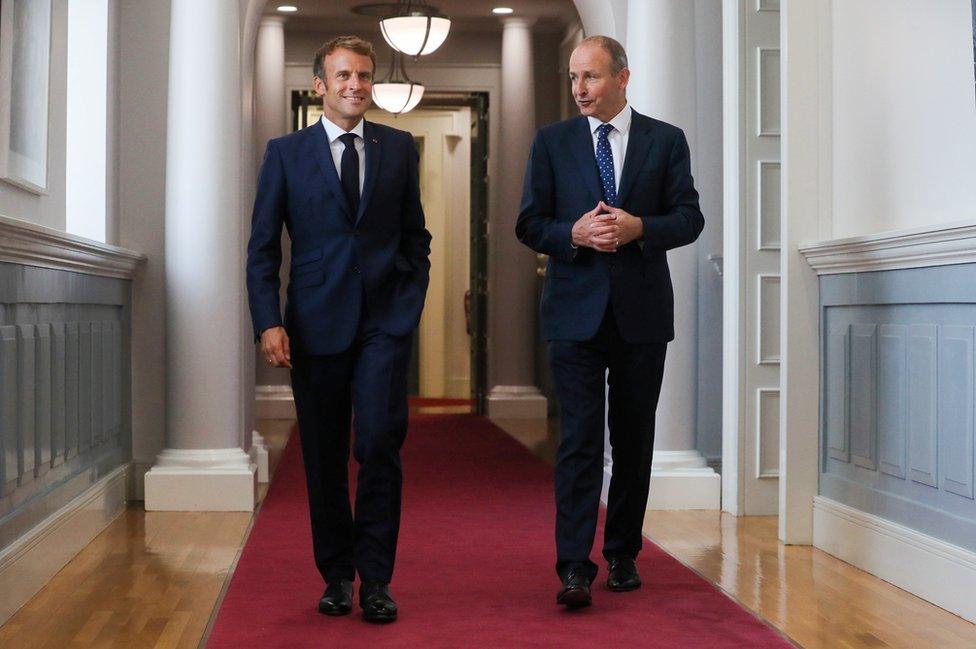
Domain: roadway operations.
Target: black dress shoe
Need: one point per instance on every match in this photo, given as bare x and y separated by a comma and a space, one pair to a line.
337, 599
575, 592
377, 603
623, 574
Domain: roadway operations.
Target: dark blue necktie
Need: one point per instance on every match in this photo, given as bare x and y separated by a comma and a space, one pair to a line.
349, 168
604, 162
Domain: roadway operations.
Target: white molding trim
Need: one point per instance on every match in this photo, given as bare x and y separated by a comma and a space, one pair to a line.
29, 563
274, 402
221, 479
259, 456
679, 480
934, 570
940, 245
517, 402
36, 245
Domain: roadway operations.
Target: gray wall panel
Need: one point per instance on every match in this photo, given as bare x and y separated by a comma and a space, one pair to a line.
836, 365
892, 404
64, 372
25, 404
956, 409
908, 339
42, 397
9, 390
863, 391
59, 364
923, 404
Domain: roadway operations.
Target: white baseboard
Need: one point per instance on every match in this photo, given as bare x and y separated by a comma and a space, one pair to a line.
274, 402
259, 456
934, 570
211, 480
27, 565
517, 402
137, 480
679, 480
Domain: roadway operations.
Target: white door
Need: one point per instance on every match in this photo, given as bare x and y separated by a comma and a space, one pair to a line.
752, 257
443, 138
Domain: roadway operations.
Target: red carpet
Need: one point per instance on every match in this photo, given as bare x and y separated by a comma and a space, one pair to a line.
474, 566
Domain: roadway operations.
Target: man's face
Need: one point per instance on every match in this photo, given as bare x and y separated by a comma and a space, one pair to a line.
598, 92
347, 88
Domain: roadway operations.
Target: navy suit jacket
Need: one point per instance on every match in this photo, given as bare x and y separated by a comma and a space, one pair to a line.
338, 258
562, 183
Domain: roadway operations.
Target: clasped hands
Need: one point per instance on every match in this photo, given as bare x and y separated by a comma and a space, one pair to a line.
606, 228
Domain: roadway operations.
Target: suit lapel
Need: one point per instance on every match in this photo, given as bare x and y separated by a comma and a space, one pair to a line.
319, 142
371, 138
581, 144
638, 146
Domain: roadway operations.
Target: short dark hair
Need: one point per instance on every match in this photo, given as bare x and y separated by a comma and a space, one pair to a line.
618, 56
351, 43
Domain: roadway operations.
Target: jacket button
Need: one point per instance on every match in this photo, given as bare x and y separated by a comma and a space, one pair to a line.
355, 269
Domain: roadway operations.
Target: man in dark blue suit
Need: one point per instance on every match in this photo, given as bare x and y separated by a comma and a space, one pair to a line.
606, 195
348, 192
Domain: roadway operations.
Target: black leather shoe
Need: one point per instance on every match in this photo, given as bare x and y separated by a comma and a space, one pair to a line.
622, 574
337, 599
575, 592
377, 603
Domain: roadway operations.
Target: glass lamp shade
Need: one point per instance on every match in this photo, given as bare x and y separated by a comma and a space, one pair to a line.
397, 97
406, 33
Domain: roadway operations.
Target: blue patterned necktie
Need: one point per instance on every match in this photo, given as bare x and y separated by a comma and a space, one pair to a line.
604, 162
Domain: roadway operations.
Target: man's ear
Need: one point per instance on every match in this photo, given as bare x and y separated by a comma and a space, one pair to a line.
624, 78
318, 84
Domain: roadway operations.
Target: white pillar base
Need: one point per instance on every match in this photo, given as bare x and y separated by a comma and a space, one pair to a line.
202, 480
259, 456
517, 402
679, 480
274, 402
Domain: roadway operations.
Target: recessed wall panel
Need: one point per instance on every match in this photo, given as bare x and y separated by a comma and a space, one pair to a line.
59, 362
768, 5
42, 399
769, 91
769, 330
892, 402
97, 383
923, 382
836, 393
863, 395
8, 408
768, 425
72, 392
770, 205
84, 386
956, 409
25, 404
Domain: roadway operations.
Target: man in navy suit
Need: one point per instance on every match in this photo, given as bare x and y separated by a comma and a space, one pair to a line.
606, 195
348, 192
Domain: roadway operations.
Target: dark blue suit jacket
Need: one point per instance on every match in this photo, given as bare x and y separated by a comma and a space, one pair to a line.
338, 259
562, 183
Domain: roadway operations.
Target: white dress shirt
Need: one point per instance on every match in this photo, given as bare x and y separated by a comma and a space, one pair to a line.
335, 144
617, 137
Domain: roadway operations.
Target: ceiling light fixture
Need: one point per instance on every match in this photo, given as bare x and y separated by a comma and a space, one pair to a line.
415, 28
502, 11
396, 93
287, 9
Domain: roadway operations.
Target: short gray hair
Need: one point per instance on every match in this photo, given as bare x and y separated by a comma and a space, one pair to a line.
618, 56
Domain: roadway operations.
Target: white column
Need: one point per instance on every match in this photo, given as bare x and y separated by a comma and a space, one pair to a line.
514, 302
661, 57
273, 397
203, 466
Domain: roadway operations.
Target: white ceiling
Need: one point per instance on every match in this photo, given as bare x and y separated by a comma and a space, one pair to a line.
466, 15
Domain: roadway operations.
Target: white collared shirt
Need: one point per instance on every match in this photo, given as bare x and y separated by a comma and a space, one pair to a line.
337, 147
617, 138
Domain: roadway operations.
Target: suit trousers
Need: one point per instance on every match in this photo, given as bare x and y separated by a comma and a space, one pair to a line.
370, 380
579, 369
